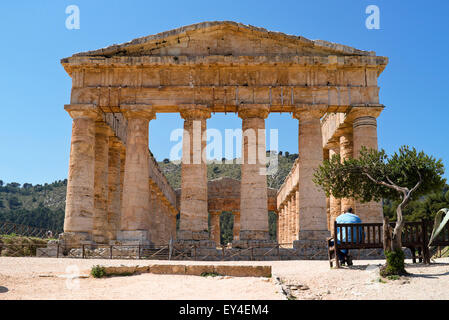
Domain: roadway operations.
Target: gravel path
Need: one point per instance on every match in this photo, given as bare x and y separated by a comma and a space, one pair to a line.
49, 278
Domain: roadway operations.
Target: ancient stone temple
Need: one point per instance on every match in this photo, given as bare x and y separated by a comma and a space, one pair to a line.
116, 192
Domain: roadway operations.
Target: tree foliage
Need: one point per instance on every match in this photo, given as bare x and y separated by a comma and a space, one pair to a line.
356, 178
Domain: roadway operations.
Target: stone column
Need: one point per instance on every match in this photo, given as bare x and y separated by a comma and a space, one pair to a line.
79, 210
293, 211
236, 230
365, 134
194, 211
334, 203
102, 133
279, 225
136, 190
215, 227
346, 152
312, 200
286, 221
297, 213
114, 203
155, 220
253, 191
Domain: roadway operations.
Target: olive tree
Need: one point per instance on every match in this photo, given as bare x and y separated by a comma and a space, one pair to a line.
374, 176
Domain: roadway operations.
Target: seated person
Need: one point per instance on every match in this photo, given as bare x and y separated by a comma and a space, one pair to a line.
347, 217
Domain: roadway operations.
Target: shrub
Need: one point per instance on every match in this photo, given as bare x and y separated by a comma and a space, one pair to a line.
98, 271
395, 263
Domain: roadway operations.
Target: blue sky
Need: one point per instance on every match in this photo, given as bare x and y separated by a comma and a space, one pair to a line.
35, 130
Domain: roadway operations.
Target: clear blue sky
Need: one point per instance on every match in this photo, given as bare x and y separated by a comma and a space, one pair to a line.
35, 130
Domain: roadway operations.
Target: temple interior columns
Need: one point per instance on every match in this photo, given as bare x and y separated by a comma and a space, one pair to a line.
215, 226
114, 189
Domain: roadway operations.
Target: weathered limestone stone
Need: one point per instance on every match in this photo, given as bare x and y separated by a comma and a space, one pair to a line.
114, 190
197, 270
136, 191
365, 134
215, 226
293, 214
296, 219
101, 226
334, 203
286, 214
346, 152
79, 209
253, 192
312, 200
236, 230
194, 211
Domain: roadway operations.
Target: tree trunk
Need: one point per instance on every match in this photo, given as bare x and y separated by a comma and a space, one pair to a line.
395, 258
387, 235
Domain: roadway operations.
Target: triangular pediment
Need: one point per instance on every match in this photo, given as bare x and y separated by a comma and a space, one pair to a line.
224, 38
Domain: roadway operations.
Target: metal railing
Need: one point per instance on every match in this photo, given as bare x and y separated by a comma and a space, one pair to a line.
8, 228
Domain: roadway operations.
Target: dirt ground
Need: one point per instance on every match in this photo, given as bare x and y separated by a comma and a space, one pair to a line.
49, 278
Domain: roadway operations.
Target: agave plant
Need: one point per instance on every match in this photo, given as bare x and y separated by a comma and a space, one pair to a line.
441, 219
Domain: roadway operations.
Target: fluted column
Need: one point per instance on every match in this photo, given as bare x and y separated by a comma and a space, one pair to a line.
79, 210
114, 203
253, 191
296, 219
102, 133
155, 221
346, 152
292, 217
334, 203
365, 134
236, 230
215, 227
312, 200
136, 190
286, 215
194, 212
279, 225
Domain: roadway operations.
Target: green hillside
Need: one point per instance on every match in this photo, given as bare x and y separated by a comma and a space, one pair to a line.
43, 205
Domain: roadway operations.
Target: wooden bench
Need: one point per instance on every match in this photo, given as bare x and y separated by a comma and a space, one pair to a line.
415, 236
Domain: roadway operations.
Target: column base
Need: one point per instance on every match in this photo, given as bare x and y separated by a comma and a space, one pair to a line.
244, 244
190, 244
134, 237
73, 239
254, 235
192, 235
313, 235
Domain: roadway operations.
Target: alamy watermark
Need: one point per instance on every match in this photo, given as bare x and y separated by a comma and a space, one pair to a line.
373, 20
73, 20
192, 143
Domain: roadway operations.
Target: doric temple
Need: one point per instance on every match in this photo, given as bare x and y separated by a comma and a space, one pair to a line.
116, 192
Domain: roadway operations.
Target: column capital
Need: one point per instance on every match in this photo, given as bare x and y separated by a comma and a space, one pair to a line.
236, 212
364, 111
194, 112
102, 127
89, 111
309, 111
115, 143
214, 212
138, 111
253, 111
